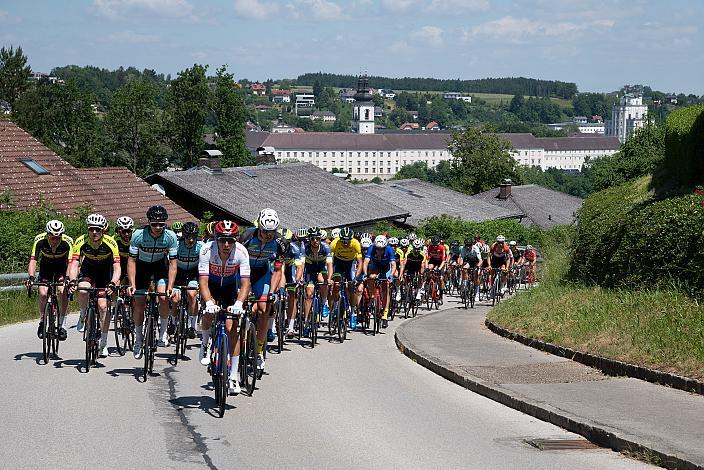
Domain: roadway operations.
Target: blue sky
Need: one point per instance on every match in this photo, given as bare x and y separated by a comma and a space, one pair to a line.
598, 45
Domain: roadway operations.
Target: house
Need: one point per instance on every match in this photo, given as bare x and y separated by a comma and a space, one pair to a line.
5, 107
579, 119
387, 93
263, 107
423, 200
325, 116
597, 118
563, 153
454, 95
465, 98
413, 114
305, 102
432, 126
240, 193
671, 99
409, 126
378, 112
540, 206
281, 96
33, 173
347, 95
282, 128
257, 89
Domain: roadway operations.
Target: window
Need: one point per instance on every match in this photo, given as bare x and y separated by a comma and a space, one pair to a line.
366, 162
366, 170
34, 166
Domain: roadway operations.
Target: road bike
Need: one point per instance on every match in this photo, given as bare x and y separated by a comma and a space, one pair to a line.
92, 332
181, 323
51, 320
123, 321
151, 330
340, 313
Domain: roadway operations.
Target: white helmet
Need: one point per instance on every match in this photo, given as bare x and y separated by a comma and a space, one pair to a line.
404, 242
55, 228
367, 235
529, 247
323, 234
485, 248
301, 233
96, 220
500, 239
125, 223
417, 243
412, 236
335, 233
393, 241
366, 242
268, 219
512, 243
380, 241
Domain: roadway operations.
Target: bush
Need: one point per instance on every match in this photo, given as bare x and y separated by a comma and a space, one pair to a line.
684, 147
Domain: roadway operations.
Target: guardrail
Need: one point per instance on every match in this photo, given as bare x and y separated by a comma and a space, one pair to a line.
8, 278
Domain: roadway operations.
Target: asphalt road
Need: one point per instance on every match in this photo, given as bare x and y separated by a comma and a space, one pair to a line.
361, 404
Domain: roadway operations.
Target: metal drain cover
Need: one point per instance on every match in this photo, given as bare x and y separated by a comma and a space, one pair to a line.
561, 444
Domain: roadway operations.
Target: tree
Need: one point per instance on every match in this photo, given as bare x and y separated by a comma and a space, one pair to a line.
417, 170
187, 111
516, 104
231, 115
378, 100
14, 74
481, 161
317, 88
133, 125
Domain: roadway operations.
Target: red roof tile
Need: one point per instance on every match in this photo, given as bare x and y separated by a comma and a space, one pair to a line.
111, 191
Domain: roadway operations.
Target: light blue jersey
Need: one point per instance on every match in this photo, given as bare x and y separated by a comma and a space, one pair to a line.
146, 248
187, 258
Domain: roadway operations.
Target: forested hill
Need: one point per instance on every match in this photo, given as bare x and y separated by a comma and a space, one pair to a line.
509, 85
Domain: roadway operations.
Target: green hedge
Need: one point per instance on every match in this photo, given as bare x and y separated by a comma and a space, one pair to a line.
684, 146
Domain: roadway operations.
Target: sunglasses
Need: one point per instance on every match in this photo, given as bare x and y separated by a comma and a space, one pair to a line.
157, 224
226, 240
95, 229
127, 230
268, 232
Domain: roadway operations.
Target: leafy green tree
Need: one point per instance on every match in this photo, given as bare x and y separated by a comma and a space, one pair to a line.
516, 104
317, 88
188, 101
398, 116
231, 115
480, 161
133, 123
14, 74
439, 112
378, 100
417, 170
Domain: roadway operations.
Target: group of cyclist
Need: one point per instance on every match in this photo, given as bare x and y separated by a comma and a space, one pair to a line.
228, 267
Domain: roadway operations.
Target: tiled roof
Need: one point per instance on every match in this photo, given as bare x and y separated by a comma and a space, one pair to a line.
423, 200
542, 206
301, 193
579, 143
113, 191
350, 141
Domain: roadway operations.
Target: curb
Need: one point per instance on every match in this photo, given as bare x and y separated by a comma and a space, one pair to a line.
604, 364
592, 431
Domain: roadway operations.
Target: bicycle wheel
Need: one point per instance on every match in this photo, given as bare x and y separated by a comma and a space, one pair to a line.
472, 293
46, 341
342, 317
332, 318
119, 325
221, 371
147, 346
280, 325
89, 337
249, 368
55, 326
314, 313
374, 315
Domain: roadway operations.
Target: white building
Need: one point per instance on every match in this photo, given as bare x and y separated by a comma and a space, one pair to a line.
305, 102
630, 114
363, 108
455, 95
325, 116
563, 153
582, 128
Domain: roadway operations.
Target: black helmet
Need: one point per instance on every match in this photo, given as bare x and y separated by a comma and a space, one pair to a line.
455, 243
157, 214
435, 241
358, 235
468, 242
314, 232
190, 229
346, 234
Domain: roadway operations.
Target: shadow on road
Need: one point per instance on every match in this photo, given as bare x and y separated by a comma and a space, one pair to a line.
204, 402
136, 372
37, 356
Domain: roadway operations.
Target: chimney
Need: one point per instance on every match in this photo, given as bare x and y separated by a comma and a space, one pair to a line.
266, 156
211, 160
505, 189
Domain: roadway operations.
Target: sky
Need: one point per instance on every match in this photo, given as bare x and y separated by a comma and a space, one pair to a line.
599, 45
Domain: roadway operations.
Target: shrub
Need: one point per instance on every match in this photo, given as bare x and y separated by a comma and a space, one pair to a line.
684, 147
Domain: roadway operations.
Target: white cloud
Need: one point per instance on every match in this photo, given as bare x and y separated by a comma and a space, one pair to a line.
132, 37
199, 55
511, 29
400, 47
399, 5
115, 9
254, 8
458, 6
430, 34
324, 9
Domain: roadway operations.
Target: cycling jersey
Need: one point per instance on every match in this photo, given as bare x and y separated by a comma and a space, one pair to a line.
262, 254
468, 253
530, 255
382, 257
349, 252
414, 256
102, 255
400, 254
293, 255
219, 272
123, 248
436, 254
51, 259
500, 250
146, 248
323, 255
187, 258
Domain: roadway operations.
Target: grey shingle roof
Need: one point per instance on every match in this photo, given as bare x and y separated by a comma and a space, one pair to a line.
301, 193
579, 143
350, 141
425, 200
542, 206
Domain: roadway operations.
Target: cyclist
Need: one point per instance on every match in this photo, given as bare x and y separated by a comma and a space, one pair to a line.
177, 228
379, 262
416, 262
318, 269
124, 229
187, 258
266, 254
437, 258
516, 253
208, 236
530, 256
470, 256
223, 264
293, 274
153, 252
52, 250
96, 263
347, 266
501, 259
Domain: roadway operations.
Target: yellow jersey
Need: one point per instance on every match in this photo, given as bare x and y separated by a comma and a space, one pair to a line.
349, 252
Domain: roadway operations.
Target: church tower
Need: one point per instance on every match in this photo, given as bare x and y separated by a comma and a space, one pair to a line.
363, 108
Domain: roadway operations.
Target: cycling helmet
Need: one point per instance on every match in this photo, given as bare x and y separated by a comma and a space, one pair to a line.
529, 247
417, 244
435, 241
209, 229
190, 229
106, 226
500, 239
393, 241
512, 243
335, 233
380, 241
301, 233
404, 242
323, 234
468, 242
358, 235
226, 228
125, 223
412, 236
157, 214
455, 243
367, 235
485, 248
366, 242
55, 228
286, 234
346, 234
96, 220
314, 232
177, 226
268, 219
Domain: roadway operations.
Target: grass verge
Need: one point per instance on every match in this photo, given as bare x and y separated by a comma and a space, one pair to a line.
16, 307
659, 328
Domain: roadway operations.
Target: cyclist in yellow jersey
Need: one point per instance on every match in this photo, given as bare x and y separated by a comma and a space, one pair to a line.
347, 263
